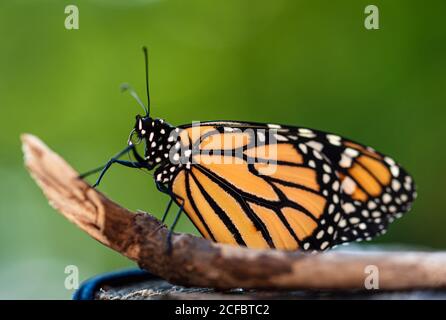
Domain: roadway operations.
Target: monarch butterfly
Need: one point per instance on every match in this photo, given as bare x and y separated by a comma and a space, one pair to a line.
323, 189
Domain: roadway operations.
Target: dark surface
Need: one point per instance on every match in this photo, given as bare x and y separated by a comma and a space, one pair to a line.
140, 285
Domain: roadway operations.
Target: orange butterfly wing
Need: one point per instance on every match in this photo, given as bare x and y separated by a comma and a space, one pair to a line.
322, 190
240, 198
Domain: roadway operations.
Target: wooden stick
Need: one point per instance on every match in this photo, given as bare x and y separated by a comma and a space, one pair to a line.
198, 262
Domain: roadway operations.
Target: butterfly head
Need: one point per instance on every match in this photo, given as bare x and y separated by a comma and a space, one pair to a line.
158, 138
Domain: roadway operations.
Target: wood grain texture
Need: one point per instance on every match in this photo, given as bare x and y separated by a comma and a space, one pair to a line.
201, 263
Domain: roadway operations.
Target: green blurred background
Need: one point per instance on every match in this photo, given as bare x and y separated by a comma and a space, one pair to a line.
309, 63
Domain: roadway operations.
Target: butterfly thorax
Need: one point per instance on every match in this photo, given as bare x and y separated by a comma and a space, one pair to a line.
162, 147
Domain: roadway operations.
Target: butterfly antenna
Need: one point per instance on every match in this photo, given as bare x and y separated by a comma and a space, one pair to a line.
127, 87
146, 59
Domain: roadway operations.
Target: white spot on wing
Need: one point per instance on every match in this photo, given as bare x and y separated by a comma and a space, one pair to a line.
389, 161
312, 164
351, 152
346, 161
354, 220
395, 171
326, 178
396, 185
348, 208
324, 245
334, 139
315, 145
387, 198
348, 185
279, 137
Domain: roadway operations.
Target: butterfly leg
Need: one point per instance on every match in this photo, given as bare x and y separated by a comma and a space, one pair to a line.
161, 187
115, 159
129, 164
165, 189
172, 227
167, 210
124, 163
90, 172
108, 164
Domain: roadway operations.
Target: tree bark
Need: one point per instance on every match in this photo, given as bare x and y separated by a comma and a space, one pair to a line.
198, 262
